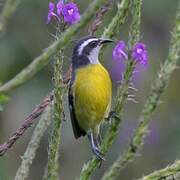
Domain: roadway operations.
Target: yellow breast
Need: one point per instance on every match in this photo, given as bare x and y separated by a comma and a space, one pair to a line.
92, 91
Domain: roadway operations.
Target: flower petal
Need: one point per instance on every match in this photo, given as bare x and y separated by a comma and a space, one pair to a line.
59, 7
119, 52
139, 53
71, 13
51, 6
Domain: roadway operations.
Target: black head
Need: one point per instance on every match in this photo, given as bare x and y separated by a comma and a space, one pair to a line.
86, 51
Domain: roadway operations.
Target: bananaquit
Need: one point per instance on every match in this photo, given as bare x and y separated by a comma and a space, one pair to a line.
90, 91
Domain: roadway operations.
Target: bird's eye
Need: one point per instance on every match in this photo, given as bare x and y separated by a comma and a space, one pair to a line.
94, 43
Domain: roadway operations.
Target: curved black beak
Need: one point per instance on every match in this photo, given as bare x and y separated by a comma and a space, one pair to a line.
104, 41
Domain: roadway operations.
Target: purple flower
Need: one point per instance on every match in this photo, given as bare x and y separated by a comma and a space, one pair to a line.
140, 54
71, 13
119, 52
51, 12
59, 7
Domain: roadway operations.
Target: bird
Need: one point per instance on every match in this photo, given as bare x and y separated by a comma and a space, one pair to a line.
90, 91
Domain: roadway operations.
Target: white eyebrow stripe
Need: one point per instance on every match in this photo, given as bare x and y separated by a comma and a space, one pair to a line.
85, 44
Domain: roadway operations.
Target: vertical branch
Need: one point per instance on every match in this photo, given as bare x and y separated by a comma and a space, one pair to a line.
151, 103
29, 155
51, 172
118, 20
134, 32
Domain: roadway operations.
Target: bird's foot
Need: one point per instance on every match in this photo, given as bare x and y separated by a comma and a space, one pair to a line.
98, 141
98, 153
94, 146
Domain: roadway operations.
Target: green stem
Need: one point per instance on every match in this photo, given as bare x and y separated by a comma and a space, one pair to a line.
134, 32
151, 103
170, 171
29, 155
51, 172
39, 62
7, 12
118, 19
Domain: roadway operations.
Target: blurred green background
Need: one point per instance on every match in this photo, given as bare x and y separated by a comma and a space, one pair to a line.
27, 35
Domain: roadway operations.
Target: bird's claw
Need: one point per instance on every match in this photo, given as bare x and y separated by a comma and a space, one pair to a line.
98, 154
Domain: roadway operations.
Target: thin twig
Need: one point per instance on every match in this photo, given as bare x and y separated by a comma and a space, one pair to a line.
26, 124
29, 155
99, 16
39, 62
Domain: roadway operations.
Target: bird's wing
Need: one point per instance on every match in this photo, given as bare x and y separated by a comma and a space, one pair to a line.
76, 129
